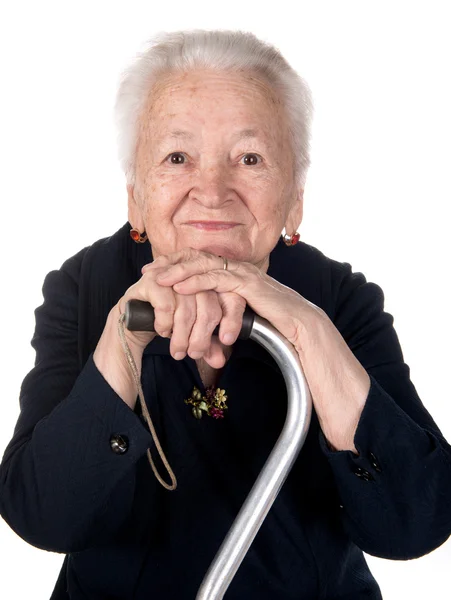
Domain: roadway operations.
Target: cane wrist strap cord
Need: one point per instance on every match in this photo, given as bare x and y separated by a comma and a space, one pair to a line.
144, 410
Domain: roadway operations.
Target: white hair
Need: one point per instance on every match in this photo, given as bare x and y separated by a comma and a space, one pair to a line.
223, 50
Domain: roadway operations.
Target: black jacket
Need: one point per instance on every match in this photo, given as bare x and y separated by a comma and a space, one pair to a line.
64, 489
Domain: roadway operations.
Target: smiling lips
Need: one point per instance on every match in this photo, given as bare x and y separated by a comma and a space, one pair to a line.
212, 225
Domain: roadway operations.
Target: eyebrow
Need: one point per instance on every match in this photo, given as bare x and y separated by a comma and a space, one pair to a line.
243, 134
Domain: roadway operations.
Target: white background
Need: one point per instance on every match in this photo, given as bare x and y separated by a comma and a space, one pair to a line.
378, 192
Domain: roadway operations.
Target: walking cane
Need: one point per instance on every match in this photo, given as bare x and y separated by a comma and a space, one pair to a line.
139, 316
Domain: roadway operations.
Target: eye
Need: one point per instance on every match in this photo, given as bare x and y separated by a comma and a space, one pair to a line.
177, 156
255, 159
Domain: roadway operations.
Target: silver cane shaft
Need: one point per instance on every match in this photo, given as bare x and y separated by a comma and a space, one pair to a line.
139, 316
274, 472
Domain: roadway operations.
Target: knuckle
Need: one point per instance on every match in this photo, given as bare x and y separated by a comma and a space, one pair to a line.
210, 327
214, 319
209, 317
198, 261
165, 307
238, 313
151, 274
159, 261
183, 319
202, 328
184, 314
237, 302
233, 303
213, 311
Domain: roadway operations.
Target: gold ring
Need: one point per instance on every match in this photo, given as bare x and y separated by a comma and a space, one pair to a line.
225, 262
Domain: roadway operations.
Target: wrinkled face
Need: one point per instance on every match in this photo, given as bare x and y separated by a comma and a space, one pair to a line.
214, 147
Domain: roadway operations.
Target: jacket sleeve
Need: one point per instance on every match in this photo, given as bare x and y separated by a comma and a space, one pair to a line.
59, 472
396, 495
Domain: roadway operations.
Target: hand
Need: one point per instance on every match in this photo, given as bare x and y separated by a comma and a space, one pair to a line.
191, 271
188, 319
338, 383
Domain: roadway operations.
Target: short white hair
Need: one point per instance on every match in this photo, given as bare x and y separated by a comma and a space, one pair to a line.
223, 50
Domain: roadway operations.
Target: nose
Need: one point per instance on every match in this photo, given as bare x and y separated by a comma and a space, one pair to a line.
212, 186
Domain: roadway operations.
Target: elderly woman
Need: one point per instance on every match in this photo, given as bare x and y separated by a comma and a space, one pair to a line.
214, 143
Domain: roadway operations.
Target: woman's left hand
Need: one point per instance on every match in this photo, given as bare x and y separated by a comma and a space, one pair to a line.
338, 383
192, 271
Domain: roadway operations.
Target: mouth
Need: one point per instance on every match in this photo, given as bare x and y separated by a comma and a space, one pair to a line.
212, 225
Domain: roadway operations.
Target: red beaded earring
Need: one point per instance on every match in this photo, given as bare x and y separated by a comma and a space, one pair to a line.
137, 237
291, 240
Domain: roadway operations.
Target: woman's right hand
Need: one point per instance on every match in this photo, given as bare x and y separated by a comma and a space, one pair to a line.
189, 320
192, 317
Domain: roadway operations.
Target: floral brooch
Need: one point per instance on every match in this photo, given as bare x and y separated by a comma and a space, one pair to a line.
213, 403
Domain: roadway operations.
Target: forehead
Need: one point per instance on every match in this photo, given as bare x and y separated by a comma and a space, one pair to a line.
217, 97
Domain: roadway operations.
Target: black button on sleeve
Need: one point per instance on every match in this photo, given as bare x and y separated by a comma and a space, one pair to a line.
363, 474
119, 443
374, 463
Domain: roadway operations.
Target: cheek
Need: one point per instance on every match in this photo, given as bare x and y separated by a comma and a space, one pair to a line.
268, 209
160, 203
160, 215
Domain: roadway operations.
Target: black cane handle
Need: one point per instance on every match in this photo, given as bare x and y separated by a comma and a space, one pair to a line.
140, 316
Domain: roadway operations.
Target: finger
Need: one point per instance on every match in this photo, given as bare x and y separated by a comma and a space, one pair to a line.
160, 261
147, 267
184, 318
233, 306
193, 263
220, 281
185, 255
170, 259
209, 314
162, 299
215, 354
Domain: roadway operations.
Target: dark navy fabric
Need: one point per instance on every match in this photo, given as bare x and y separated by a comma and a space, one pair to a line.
63, 489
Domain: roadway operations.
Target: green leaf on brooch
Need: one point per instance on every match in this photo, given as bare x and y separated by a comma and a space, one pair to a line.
197, 412
203, 405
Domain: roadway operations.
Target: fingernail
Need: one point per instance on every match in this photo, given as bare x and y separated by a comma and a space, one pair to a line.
179, 355
228, 338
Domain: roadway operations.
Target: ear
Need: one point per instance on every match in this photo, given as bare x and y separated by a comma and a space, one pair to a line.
135, 217
294, 217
